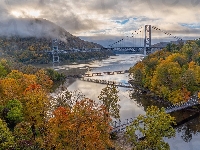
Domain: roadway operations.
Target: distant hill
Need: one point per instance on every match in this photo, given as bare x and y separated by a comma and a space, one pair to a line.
164, 44
37, 34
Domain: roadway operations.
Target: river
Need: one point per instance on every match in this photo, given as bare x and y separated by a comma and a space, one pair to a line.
187, 135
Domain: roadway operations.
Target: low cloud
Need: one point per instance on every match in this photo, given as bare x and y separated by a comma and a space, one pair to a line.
99, 18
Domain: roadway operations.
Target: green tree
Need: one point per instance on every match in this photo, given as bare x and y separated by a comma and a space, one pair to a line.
153, 126
171, 47
54, 75
13, 112
190, 50
109, 97
6, 138
3, 71
6, 64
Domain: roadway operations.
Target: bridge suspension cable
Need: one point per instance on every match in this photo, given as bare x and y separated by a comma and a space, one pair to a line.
125, 40
135, 33
167, 33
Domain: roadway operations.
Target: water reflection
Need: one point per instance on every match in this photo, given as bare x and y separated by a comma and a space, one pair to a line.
145, 99
189, 130
186, 134
129, 108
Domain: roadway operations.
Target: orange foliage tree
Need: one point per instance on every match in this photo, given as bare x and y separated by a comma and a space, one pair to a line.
15, 83
84, 126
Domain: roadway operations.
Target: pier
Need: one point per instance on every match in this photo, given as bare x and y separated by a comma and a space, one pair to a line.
119, 84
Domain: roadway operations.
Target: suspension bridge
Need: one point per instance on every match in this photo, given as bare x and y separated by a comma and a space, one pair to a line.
143, 38
140, 42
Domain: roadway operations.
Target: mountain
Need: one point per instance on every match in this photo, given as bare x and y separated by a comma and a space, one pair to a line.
36, 31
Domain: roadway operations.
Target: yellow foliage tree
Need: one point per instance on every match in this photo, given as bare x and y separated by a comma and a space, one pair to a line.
36, 104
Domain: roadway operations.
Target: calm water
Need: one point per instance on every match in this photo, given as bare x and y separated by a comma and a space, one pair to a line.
187, 137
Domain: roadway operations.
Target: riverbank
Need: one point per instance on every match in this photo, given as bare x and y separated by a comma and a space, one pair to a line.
139, 90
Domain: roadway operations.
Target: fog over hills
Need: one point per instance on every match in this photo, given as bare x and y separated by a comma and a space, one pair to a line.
41, 28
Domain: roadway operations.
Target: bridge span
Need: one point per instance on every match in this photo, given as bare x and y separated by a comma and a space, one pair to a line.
135, 50
118, 84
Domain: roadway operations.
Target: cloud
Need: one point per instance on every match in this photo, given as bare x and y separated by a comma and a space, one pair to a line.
112, 17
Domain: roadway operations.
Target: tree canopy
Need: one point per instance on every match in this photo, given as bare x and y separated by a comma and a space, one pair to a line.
109, 98
84, 126
152, 127
30, 119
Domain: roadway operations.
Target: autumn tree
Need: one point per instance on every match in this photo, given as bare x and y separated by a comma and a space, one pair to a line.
142, 72
23, 136
188, 80
84, 126
36, 104
137, 73
196, 70
14, 84
24, 97
109, 98
43, 79
149, 69
167, 79
10, 89
153, 127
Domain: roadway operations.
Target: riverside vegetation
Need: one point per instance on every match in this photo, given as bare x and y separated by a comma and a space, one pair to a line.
172, 73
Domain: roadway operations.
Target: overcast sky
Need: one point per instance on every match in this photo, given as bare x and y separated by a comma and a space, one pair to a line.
106, 19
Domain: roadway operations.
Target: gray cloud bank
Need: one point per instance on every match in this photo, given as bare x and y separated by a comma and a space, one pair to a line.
101, 18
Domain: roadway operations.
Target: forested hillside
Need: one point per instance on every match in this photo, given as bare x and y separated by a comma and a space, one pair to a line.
172, 73
31, 50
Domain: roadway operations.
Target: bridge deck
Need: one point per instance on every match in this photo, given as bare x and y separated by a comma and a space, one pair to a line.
119, 84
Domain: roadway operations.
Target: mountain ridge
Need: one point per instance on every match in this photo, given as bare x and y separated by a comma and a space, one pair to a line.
40, 28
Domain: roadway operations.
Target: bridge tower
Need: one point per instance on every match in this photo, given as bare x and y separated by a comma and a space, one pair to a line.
54, 52
147, 38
